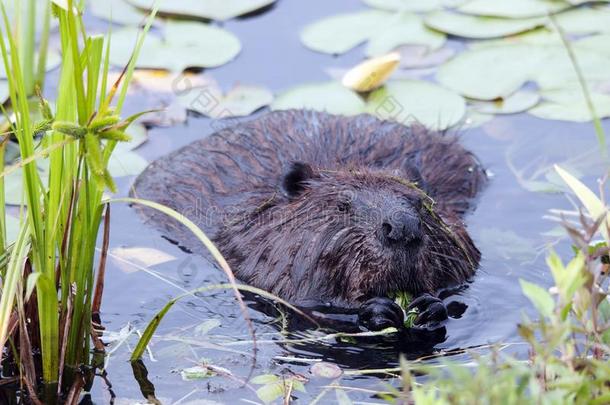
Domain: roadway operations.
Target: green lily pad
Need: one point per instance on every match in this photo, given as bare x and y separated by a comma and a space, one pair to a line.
404, 29
117, 11
513, 8
184, 45
13, 186
585, 20
207, 9
240, 101
490, 73
515, 103
4, 91
331, 97
570, 105
126, 163
53, 61
412, 5
477, 27
599, 43
408, 101
12, 228
385, 31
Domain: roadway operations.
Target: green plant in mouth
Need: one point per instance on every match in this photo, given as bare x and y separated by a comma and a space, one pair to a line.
49, 272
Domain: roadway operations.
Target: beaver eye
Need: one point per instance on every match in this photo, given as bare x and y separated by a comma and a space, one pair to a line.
343, 206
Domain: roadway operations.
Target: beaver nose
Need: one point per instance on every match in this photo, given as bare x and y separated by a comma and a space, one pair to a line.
402, 227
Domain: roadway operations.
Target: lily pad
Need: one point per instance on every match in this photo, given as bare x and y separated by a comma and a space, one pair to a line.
513, 104
489, 73
417, 56
13, 186
325, 369
126, 163
407, 101
469, 26
133, 258
570, 105
331, 97
240, 101
53, 61
12, 228
585, 20
385, 31
4, 91
117, 11
412, 5
513, 8
183, 45
208, 9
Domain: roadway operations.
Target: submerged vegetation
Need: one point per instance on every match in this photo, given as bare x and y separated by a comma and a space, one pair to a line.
56, 171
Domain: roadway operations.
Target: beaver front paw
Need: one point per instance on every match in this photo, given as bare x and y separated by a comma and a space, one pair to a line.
431, 310
379, 313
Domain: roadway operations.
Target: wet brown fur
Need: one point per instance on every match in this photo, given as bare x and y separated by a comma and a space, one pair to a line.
323, 245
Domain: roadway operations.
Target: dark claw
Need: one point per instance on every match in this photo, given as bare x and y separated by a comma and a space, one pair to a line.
379, 313
431, 310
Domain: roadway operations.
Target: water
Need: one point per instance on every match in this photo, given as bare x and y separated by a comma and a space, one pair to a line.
508, 226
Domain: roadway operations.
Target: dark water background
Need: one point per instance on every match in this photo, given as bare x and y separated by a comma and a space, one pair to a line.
508, 226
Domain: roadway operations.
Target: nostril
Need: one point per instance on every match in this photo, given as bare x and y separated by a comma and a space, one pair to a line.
386, 228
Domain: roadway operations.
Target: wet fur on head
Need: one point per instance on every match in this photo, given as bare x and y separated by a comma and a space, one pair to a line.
297, 201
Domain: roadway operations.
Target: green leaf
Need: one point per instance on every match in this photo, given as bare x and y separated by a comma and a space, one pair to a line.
570, 105
469, 26
138, 134
117, 11
490, 73
513, 104
540, 297
513, 8
412, 5
270, 392
585, 20
331, 97
196, 373
126, 163
407, 101
12, 228
264, 379
240, 101
208, 9
384, 31
31, 284
184, 45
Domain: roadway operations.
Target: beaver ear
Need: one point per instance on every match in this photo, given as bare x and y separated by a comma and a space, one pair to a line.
295, 178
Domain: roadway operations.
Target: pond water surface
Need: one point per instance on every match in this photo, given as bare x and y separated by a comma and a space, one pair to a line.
508, 226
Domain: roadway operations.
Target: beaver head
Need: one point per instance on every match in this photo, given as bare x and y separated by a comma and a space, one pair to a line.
342, 236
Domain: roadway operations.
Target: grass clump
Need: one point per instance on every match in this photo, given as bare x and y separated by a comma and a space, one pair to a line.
50, 291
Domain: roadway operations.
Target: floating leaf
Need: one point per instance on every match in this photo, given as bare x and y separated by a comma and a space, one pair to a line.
264, 379
384, 31
331, 97
372, 73
117, 11
469, 26
417, 56
540, 297
403, 29
324, 369
407, 101
570, 105
13, 186
240, 101
12, 228
196, 373
53, 61
128, 258
138, 134
270, 392
513, 104
585, 20
513, 8
126, 163
412, 5
208, 9
184, 45
4, 91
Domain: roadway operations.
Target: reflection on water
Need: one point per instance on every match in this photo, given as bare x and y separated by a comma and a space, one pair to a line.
508, 226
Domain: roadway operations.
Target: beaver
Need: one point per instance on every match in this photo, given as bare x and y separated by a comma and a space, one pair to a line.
322, 209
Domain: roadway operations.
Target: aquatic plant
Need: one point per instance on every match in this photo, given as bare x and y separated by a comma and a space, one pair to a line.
51, 291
